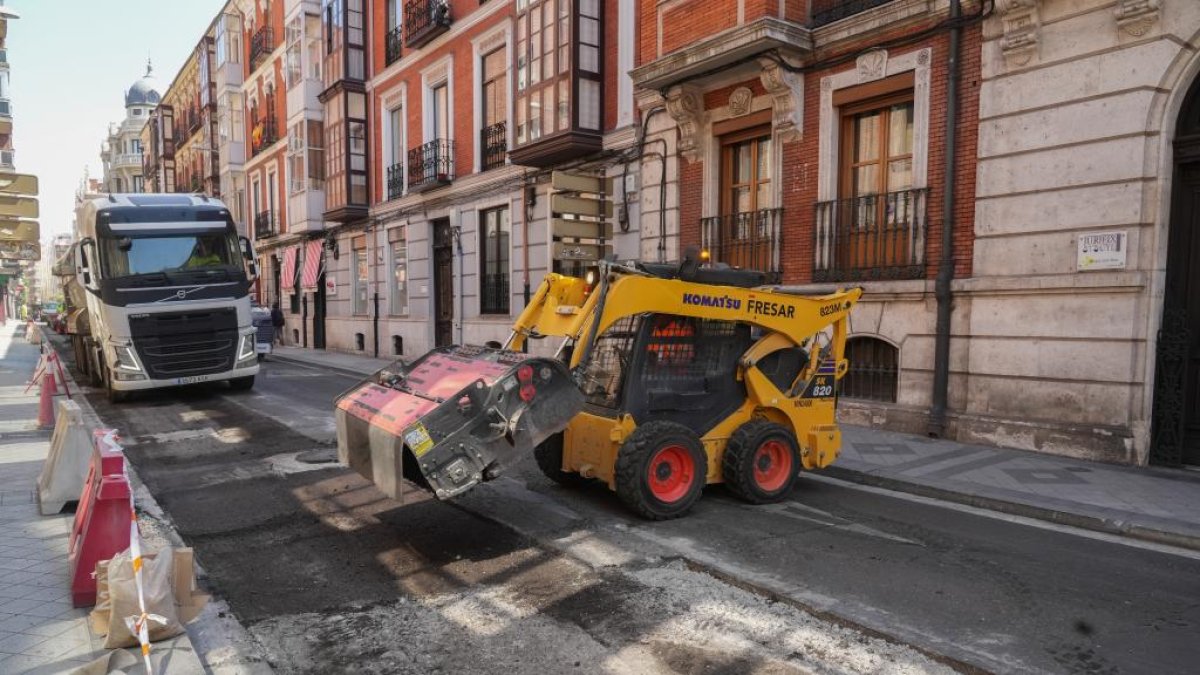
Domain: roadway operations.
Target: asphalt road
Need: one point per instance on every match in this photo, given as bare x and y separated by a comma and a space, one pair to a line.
311, 549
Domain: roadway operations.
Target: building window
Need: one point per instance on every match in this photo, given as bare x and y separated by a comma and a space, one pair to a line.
398, 251
293, 68
493, 261
315, 149
746, 233
440, 111
137, 112
874, 370
878, 147
876, 227
362, 271
493, 135
229, 40
395, 153
295, 158
138, 184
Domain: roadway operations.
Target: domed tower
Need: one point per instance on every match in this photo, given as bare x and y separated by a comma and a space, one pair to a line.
122, 150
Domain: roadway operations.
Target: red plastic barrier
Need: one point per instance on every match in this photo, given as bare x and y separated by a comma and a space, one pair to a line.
46, 402
101, 527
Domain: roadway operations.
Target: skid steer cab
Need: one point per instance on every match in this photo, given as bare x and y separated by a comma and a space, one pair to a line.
657, 381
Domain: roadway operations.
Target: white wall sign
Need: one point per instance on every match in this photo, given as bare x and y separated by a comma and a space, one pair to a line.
1102, 250
330, 285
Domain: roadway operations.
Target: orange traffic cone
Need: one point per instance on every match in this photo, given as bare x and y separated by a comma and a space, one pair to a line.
46, 402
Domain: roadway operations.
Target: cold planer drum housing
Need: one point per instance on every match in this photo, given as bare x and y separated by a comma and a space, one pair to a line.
451, 419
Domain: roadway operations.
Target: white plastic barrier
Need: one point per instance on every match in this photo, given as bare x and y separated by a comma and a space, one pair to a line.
66, 466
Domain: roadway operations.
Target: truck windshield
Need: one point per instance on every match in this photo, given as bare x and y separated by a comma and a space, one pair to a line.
169, 253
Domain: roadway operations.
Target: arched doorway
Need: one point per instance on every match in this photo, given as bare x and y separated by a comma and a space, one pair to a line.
1175, 435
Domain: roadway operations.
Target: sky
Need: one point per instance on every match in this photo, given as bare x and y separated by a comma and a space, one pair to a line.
70, 63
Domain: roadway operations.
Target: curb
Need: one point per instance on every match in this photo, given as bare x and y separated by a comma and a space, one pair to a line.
341, 370
223, 640
1120, 528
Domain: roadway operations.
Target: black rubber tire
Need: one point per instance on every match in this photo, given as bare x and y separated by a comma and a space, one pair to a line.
633, 468
95, 367
737, 466
114, 396
242, 383
549, 454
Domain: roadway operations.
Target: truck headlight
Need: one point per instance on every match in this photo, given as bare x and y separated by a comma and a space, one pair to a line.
246, 349
125, 359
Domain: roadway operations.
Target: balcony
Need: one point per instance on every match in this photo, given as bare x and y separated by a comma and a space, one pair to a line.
747, 240
431, 165
493, 146
262, 43
265, 225
828, 11
395, 181
392, 45
126, 160
424, 20
873, 237
194, 120
263, 135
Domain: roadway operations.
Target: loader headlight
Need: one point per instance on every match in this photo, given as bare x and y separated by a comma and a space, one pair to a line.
246, 349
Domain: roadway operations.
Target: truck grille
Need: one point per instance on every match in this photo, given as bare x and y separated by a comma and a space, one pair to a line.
182, 344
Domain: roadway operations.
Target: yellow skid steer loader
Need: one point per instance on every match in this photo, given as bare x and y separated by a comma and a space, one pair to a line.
666, 378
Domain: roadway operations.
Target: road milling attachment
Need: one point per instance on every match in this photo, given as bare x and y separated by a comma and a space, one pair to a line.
451, 419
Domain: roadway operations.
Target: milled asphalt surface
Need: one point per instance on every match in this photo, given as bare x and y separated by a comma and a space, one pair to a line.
321, 554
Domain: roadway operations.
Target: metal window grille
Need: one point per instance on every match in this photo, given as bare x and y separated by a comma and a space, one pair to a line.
605, 371
392, 46
494, 299
879, 236
493, 141
395, 181
828, 11
431, 164
874, 370
749, 240
683, 352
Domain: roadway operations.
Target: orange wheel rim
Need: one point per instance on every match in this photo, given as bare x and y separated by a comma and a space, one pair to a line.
671, 473
772, 465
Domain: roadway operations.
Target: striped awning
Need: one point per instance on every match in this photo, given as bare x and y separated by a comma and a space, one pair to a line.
312, 264
288, 273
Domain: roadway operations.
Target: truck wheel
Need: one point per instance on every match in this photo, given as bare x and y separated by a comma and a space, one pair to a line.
661, 470
96, 368
549, 455
242, 383
761, 462
114, 396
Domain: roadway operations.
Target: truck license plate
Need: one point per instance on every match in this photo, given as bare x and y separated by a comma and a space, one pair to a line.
191, 380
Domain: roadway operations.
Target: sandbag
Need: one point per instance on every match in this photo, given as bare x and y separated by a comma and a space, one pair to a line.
157, 581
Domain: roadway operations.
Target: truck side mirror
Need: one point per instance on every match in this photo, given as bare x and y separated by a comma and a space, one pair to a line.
87, 258
248, 255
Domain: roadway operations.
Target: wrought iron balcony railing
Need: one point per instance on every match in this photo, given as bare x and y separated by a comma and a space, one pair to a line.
262, 43
431, 165
263, 135
493, 145
747, 240
871, 237
265, 225
395, 181
392, 44
828, 11
425, 20
494, 295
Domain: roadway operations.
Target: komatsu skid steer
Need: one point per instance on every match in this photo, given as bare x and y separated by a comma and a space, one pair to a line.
662, 379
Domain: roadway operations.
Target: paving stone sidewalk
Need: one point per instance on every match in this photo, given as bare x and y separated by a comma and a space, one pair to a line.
40, 631
1151, 503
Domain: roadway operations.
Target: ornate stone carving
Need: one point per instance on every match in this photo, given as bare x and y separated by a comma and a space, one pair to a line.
1022, 30
872, 65
739, 101
685, 105
1136, 17
787, 98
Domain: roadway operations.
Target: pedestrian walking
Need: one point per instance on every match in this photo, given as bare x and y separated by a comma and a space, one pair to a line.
277, 322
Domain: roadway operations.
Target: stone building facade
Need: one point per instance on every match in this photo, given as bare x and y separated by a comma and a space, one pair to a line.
121, 152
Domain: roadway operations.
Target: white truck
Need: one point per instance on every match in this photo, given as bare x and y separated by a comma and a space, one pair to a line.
166, 281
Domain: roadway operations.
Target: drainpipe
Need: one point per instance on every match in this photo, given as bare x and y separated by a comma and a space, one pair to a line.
942, 292
456, 232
